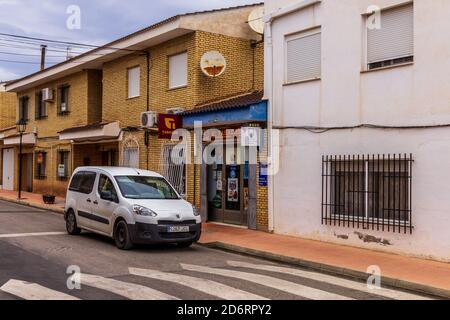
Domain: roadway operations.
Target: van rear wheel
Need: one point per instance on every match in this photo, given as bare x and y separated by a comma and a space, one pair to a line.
122, 236
71, 224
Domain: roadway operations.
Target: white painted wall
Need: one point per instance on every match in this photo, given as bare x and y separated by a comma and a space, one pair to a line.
417, 94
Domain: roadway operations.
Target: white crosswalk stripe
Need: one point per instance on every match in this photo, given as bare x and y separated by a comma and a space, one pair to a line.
206, 286
388, 293
279, 284
33, 291
128, 290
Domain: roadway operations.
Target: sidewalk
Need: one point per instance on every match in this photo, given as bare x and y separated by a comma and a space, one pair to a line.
414, 274
33, 200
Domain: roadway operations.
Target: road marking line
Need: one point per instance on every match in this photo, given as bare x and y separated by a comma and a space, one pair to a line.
33, 291
128, 290
38, 234
389, 293
204, 285
279, 284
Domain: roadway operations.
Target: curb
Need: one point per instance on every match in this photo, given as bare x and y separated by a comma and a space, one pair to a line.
31, 205
330, 269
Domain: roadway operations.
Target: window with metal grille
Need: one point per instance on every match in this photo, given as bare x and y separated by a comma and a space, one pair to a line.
62, 171
23, 108
40, 165
41, 107
393, 42
369, 192
173, 167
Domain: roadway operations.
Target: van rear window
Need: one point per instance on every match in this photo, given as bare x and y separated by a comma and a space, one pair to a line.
83, 182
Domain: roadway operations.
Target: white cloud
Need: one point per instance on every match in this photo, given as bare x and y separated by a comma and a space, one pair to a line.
6, 75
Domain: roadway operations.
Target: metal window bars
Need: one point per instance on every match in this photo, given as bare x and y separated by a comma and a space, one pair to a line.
368, 191
174, 172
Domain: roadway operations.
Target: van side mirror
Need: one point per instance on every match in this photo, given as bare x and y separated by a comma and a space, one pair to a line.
107, 195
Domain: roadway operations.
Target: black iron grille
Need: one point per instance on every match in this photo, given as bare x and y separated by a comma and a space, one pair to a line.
368, 191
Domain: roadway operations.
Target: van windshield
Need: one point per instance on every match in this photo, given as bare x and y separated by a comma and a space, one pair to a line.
146, 188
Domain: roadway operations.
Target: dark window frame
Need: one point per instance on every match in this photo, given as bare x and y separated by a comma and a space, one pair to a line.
63, 97
40, 107
368, 192
24, 103
40, 169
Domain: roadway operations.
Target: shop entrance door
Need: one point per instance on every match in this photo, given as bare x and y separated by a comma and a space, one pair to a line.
227, 193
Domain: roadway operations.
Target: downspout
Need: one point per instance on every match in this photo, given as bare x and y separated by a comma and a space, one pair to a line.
268, 72
147, 136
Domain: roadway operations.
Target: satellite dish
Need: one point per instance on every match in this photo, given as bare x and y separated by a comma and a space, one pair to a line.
255, 20
213, 64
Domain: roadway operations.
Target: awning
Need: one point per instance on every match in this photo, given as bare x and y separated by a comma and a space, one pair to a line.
27, 139
95, 132
247, 108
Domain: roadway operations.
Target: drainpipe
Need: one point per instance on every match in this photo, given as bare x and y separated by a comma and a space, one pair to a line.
268, 72
147, 136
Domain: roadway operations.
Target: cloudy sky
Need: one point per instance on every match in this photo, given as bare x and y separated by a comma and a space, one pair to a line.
101, 22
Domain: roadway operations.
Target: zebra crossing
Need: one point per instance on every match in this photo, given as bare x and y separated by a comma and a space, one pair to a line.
246, 273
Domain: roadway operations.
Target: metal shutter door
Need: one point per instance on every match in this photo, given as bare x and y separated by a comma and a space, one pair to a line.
395, 38
304, 58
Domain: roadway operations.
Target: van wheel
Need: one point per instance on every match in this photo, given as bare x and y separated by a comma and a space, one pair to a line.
71, 224
184, 244
122, 236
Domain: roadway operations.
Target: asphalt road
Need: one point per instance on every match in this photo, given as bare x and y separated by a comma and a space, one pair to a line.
35, 253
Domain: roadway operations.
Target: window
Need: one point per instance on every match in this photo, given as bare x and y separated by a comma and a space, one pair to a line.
41, 107
393, 43
303, 57
83, 182
149, 188
63, 97
62, 170
106, 189
173, 167
131, 154
23, 108
134, 82
178, 70
368, 191
40, 165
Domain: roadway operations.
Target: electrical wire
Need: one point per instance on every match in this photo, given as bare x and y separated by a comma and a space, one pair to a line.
319, 130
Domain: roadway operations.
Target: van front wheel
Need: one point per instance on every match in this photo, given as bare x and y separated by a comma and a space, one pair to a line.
122, 236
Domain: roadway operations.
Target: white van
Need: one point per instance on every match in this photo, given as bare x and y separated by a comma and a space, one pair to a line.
131, 206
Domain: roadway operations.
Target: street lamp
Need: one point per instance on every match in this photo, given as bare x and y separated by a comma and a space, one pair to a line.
21, 126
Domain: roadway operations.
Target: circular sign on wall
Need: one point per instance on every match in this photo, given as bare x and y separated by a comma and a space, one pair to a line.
213, 64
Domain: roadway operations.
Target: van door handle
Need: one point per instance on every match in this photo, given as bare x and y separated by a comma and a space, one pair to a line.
89, 200
96, 202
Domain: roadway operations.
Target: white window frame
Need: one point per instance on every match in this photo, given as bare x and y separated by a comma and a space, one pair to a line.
177, 84
365, 32
295, 36
137, 91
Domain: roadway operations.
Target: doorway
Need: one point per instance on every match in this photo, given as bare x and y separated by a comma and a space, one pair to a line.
27, 172
8, 169
228, 193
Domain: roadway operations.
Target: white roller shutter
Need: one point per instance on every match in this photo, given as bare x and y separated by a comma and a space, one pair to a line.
395, 38
304, 58
134, 82
178, 75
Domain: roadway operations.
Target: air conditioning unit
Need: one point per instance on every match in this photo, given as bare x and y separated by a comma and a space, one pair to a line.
63, 107
149, 119
47, 94
175, 110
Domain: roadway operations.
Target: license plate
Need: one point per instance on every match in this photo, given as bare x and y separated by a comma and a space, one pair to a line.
178, 229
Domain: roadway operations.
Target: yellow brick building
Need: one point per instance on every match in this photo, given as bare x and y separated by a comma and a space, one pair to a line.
154, 70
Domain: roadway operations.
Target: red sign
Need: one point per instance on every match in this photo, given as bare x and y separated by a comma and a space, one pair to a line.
167, 124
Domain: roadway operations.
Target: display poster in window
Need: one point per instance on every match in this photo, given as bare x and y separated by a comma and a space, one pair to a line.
263, 174
61, 170
233, 190
219, 186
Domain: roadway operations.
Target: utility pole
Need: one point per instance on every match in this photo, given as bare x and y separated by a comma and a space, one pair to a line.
43, 52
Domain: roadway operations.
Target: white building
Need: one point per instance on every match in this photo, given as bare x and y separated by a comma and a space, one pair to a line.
345, 81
